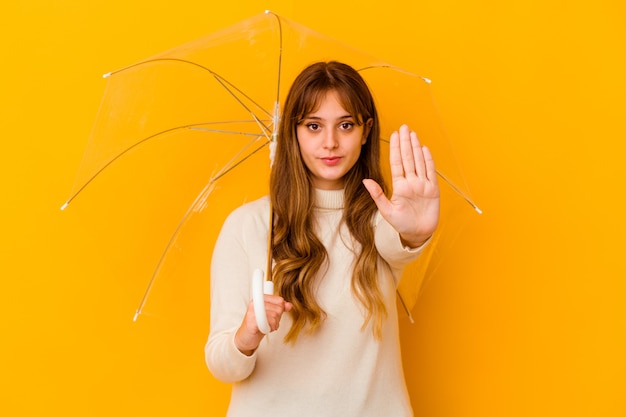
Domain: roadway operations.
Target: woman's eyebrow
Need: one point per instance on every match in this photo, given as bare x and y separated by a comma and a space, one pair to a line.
313, 117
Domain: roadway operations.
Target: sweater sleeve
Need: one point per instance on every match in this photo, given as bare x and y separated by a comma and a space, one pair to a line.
238, 251
391, 249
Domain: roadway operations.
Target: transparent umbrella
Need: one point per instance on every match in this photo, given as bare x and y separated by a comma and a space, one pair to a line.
216, 103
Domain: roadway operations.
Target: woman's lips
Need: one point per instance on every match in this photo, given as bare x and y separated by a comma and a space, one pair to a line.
331, 160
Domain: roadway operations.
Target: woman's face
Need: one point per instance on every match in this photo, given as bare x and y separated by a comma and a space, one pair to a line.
330, 142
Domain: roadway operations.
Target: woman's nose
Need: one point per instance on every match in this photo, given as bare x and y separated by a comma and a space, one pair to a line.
330, 139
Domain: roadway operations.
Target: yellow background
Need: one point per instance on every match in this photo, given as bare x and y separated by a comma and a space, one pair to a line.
525, 319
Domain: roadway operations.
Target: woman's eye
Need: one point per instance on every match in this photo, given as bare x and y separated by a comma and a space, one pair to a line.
313, 126
347, 125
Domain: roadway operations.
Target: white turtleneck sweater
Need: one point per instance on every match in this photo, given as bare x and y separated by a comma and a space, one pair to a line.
341, 370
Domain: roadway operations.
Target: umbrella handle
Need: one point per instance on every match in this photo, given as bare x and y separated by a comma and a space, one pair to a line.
260, 287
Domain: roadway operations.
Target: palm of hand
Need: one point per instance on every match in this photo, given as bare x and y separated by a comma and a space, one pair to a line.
413, 209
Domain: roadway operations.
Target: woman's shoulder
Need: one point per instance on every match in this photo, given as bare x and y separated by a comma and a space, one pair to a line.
253, 212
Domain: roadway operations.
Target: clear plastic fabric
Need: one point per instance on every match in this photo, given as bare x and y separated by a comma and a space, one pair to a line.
209, 110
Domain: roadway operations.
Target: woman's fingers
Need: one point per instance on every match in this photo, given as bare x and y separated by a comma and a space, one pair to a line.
275, 306
248, 336
409, 163
395, 156
418, 155
429, 164
406, 154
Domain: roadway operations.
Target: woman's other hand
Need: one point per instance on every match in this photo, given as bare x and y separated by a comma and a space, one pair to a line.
248, 336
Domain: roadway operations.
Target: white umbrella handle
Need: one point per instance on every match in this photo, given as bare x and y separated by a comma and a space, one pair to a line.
260, 287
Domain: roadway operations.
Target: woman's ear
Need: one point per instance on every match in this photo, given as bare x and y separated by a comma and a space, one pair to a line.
366, 130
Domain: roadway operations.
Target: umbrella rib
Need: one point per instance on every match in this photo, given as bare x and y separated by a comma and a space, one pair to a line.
391, 67
194, 126
459, 192
225, 132
206, 190
427, 81
218, 77
254, 116
235, 165
454, 188
405, 307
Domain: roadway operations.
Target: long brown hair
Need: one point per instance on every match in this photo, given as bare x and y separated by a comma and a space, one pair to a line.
297, 252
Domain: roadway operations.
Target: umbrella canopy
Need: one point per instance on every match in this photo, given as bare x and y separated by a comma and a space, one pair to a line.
215, 103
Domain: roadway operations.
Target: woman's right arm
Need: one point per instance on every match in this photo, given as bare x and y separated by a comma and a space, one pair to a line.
230, 295
234, 337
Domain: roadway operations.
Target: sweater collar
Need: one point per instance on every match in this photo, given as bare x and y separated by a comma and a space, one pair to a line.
329, 199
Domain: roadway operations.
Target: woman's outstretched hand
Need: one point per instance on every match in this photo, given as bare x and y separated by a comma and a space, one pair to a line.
413, 209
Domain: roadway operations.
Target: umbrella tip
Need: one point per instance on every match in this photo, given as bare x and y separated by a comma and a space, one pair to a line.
136, 316
64, 206
107, 75
427, 80
478, 210
268, 11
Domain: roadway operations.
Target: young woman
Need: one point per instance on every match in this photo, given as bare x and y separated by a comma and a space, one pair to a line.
338, 247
